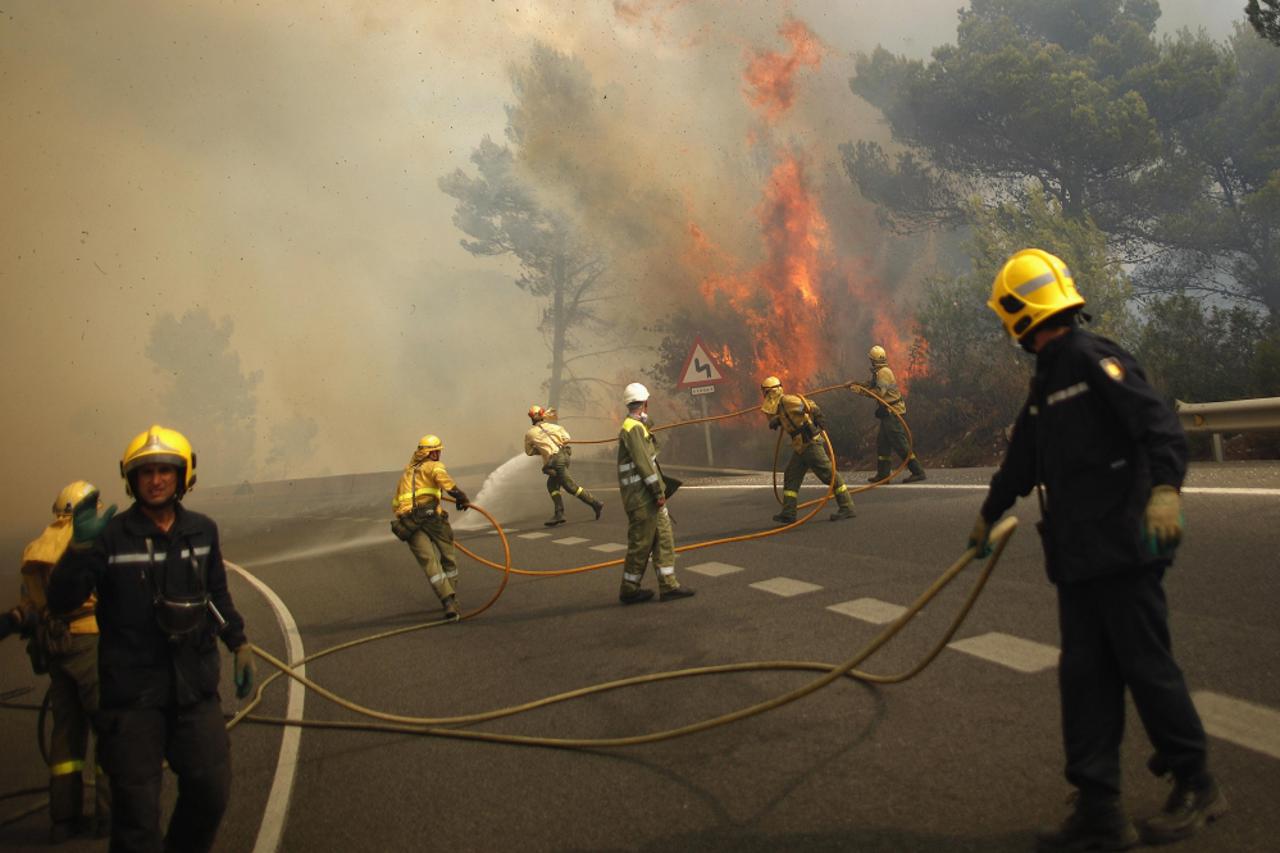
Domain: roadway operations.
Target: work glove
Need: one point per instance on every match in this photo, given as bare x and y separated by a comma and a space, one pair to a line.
244, 670
9, 624
857, 388
86, 524
460, 500
1162, 523
774, 423
978, 538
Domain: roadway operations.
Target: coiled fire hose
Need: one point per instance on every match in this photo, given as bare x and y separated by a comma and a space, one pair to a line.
443, 726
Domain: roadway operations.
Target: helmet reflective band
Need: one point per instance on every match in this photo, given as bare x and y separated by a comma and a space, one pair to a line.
160, 446
1031, 287
770, 383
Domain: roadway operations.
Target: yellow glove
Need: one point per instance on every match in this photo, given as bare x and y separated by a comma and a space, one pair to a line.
243, 670
1162, 524
978, 540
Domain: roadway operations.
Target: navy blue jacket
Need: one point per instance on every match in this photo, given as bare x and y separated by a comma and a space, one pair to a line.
1098, 437
138, 666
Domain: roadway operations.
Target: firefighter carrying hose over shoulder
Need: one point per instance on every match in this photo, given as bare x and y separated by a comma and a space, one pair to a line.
892, 437
551, 441
803, 421
64, 645
422, 522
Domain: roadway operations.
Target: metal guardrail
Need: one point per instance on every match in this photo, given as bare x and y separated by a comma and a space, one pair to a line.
1259, 414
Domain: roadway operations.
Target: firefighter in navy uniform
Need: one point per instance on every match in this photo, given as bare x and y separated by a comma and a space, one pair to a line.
892, 436
162, 604
551, 441
422, 522
65, 645
644, 496
1107, 457
803, 421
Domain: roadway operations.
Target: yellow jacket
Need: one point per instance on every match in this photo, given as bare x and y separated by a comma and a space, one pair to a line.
421, 484
38, 560
797, 415
884, 384
545, 439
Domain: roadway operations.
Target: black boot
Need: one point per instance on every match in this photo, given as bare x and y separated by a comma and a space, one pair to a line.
635, 596
1190, 806
1095, 823
558, 518
451, 613
917, 473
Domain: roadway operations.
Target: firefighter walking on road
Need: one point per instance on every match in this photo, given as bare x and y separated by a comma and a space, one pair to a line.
163, 602
644, 496
1106, 456
551, 441
892, 436
422, 522
64, 645
803, 421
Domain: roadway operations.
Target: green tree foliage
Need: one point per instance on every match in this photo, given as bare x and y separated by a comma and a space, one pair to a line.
209, 398
500, 210
1200, 355
1169, 146
971, 378
1264, 16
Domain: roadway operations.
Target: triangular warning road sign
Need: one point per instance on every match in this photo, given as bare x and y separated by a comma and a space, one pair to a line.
699, 368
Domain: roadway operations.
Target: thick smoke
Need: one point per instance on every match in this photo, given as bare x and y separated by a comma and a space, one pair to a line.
275, 166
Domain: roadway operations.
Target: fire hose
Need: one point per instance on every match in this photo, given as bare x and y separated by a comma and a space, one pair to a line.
445, 726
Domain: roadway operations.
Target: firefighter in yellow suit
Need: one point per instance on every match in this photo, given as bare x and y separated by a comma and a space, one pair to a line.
551, 441
422, 522
644, 497
803, 421
66, 646
892, 436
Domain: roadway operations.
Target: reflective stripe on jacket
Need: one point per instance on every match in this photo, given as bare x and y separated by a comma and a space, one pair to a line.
421, 484
639, 479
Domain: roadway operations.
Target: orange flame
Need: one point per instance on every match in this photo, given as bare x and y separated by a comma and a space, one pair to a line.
770, 76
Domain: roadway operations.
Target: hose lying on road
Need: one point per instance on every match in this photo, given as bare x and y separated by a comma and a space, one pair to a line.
442, 726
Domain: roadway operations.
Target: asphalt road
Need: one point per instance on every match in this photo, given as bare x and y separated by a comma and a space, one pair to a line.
966, 756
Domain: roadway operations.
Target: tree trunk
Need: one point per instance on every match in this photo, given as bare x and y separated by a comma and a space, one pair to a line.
558, 322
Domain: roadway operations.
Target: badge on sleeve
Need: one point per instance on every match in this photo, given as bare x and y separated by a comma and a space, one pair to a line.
1112, 367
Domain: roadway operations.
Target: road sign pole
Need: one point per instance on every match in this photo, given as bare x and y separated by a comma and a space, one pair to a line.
706, 431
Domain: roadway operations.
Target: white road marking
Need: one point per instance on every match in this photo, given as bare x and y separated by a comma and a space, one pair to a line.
713, 569
785, 587
571, 540
609, 547
871, 610
1006, 650
538, 535
1226, 490
277, 808
982, 487
1243, 723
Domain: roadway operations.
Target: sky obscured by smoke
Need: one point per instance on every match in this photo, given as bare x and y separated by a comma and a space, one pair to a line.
277, 163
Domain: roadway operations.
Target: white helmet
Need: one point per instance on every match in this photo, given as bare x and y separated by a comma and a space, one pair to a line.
635, 393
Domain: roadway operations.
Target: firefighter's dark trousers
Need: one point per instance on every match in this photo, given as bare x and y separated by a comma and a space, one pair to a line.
559, 478
134, 744
1115, 634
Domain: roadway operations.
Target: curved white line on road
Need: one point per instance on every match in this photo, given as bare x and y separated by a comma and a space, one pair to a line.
277, 808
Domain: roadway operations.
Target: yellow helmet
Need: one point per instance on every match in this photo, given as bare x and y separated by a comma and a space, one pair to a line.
71, 496
1031, 287
537, 413
771, 388
769, 383
430, 442
878, 355
162, 446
